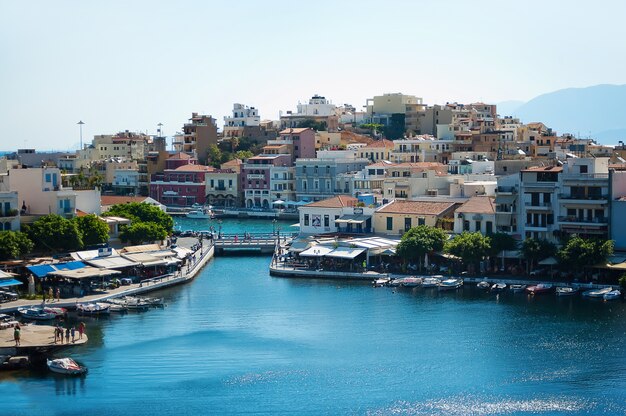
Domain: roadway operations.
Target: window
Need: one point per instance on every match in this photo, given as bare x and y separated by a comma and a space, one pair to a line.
316, 184
583, 168
489, 227
407, 224
421, 221
466, 225
478, 226
389, 223
306, 219
327, 220
303, 168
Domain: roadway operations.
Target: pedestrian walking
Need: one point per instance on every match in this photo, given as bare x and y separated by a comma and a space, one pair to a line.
58, 294
16, 335
50, 294
81, 330
60, 332
73, 332
67, 335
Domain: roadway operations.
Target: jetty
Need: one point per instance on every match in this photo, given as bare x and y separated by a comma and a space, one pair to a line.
261, 243
35, 339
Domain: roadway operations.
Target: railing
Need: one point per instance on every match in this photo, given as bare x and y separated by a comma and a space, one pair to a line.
9, 213
255, 176
585, 176
538, 204
573, 219
536, 225
505, 210
584, 197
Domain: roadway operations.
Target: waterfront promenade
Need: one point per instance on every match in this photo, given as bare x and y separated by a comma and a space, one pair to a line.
187, 273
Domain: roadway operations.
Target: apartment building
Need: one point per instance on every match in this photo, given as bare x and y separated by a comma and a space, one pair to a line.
317, 179
255, 179
478, 214
180, 187
198, 135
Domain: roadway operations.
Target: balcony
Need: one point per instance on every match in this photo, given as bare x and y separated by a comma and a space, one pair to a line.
505, 210
9, 213
255, 176
583, 222
538, 206
536, 227
602, 177
584, 199
507, 190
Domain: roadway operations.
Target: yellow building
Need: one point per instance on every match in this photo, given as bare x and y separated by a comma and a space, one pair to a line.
398, 217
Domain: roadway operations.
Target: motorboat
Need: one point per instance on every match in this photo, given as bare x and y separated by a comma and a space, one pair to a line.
539, 289
36, 314
597, 293
517, 288
384, 281
483, 285
66, 366
203, 213
566, 291
450, 284
93, 309
498, 287
431, 282
117, 307
612, 295
411, 281
58, 312
154, 302
135, 304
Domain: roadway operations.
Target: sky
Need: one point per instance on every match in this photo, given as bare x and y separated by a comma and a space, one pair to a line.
129, 65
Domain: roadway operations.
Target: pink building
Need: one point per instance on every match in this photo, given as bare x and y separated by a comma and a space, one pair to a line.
255, 178
180, 187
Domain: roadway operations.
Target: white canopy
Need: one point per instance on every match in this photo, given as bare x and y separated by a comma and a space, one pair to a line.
316, 251
278, 202
345, 252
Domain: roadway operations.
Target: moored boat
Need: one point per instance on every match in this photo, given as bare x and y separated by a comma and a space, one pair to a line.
58, 312
612, 295
411, 281
450, 284
539, 289
66, 366
431, 282
36, 314
384, 281
517, 288
565, 291
483, 285
200, 213
498, 287
597, 293
93, 309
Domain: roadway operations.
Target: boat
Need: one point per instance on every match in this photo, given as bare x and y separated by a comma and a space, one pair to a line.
154, 302
597, 293
566, 291
613, 294
431, 282
200, 213
450, 284
498, 287
66, 366
58, 312
411, 281
119, 308
517, 288
483, 285
384, 281
539, 289
135, 304
36, 314
93, 309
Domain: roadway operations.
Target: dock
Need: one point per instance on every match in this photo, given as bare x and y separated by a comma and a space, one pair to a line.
34, 339
261, 243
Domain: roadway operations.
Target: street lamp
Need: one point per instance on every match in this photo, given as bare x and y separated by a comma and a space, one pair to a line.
80, 124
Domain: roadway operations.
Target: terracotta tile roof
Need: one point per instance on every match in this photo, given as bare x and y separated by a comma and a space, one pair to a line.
338, 201
416, 207
194, 168
117, 199
180, 155
478, 205
379, 143
234, 162
294, 131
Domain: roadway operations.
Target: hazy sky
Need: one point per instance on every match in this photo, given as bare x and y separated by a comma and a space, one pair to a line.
121, 65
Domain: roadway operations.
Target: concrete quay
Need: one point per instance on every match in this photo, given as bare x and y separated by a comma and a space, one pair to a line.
34, 339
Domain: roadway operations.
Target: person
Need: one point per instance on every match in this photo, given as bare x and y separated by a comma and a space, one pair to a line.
81, 329
67, 335
236, 239
16, 335
60, 331
58, 294
73, 331
56, 334
51, 294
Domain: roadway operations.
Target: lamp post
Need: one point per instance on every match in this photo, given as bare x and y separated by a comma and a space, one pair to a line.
274, 226
80, 124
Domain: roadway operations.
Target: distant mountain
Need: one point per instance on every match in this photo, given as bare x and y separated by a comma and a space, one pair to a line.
598, 111
507, 108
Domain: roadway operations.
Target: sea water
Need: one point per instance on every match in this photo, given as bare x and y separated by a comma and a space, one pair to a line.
237, 341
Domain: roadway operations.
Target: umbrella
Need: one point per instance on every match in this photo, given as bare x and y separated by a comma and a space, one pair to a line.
278, 202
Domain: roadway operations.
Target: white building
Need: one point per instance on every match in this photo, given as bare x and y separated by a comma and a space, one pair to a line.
317, 106
336, 214
243, 116
282, 184
478, 214
9, 211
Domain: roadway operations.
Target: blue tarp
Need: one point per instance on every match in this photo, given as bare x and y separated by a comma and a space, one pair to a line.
9, 282
42, 270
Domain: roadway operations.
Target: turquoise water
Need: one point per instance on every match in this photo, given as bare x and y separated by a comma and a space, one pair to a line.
239, 341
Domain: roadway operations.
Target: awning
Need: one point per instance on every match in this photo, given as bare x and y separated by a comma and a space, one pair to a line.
146, 260
618, 266
43, 270
85, 273
345, 252
9, 282
5, 275
316, 251
117, 262
550, 261
299, 246
352, 219
503, 220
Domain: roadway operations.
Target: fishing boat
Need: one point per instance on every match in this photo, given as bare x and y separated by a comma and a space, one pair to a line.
200, 213
483, 285
93, 309
431, 282
450, 284
517, 288
597, 293
66, 366
612, 295
384, 281
498, 287
566, 291
539, 289
36, 314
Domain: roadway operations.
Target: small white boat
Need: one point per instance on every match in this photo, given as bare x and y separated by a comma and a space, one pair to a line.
66, 366
539, 289
93, 309
431, 282
450, 284
200, 213
597, 293
36, 314
565, 291
517, 288
498, 287
58, 312
483, 285
119, 308
384, 281
612, 295
411, 281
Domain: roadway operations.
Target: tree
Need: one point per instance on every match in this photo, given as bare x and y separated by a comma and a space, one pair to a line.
470, 247
501, 242
536, 250
579, 253
243, 154
143, 232
419, 241
374, 128
142, 212
14, 244
396, 127
312, 124
93, 229
214, 155
53, 232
